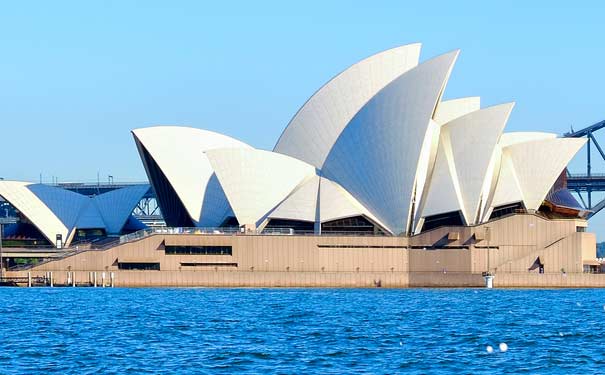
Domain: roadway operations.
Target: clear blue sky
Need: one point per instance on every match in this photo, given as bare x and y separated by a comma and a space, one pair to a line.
77, 76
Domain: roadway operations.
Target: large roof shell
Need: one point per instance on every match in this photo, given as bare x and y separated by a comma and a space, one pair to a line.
256, 181
179, 153
507, 189
539, 163
315, 128
376, 157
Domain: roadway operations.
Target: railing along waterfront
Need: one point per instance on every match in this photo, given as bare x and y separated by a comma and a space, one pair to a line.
233, 231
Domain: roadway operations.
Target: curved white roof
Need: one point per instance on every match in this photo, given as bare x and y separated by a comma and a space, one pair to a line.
444, 190
506, 189
377, 140
377, 155
314, 129
256, 181
179, 152
508, 139
301, 204
34, 209
447, 110
464, 165
539, 163
337, 203
481, 129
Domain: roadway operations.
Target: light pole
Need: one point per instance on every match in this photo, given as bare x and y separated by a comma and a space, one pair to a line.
487, 239
489, 278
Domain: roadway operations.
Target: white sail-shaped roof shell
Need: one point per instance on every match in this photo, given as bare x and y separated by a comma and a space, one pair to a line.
508, 139
473, 139
301, 204
377, 156
507, 189
179, 153
448, 110
34, 209
538, 164
438, 171
321, 200
317, 125
256, 181
464, 165
337, 203
444, 190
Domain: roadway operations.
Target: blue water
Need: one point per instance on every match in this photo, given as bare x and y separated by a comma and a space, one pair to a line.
189, 331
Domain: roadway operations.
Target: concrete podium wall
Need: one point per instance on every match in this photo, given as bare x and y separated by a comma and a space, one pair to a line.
444, 257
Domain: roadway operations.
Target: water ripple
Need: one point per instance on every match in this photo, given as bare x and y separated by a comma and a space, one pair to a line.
192, 331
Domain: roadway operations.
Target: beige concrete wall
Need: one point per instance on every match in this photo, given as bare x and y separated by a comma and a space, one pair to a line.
282, 260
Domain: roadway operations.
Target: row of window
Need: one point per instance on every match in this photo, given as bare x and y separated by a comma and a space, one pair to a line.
207, 264
198, 250
139, 266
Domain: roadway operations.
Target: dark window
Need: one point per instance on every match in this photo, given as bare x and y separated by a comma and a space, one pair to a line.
230, 221
441, 220
350, 225
198, 250
89, 234
506, 210
580, 229
295, 225
206, 264
139, 266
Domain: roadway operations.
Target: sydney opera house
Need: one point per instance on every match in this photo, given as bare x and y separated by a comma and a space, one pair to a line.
376, 149
376, 180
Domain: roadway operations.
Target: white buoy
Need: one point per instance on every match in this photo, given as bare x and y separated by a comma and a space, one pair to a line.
489, 349
503, 347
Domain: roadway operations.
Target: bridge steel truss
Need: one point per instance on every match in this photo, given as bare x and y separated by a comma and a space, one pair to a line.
589, 182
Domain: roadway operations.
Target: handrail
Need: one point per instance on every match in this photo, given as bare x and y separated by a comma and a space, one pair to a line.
582, 175
232, 231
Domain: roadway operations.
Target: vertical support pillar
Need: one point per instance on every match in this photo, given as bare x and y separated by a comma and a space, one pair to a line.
68, 278
112, 278
51, 278
103, 279
29, 279
73, 279
588, 171
94, 276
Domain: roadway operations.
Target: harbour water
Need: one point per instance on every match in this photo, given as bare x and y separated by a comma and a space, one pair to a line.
190, 331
